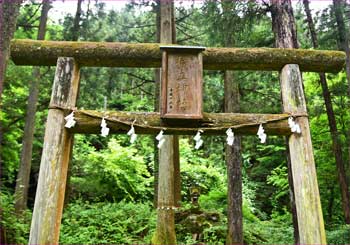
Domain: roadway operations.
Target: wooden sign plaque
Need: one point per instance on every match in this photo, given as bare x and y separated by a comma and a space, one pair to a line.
181, 82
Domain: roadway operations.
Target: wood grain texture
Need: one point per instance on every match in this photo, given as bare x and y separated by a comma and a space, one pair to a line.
234, 163
98, 54
169, 153
182, 84
150, 123
307, 197
165, 231
49, 198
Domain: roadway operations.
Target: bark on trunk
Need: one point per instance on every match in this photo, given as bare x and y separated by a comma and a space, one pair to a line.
330, 205
234, 163
9, 10
233, 153
31, 52
343, 38
76, 25
311, 25
168, 154
22, 183
339, 7
282, 15
283, 24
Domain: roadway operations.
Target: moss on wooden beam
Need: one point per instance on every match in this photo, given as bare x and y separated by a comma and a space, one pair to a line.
150, 123
98, 54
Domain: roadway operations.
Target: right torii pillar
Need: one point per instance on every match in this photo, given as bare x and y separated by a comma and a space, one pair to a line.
307, 197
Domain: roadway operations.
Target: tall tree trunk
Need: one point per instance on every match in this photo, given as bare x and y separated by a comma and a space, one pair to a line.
234, 170
76, 25
168, 154
286, 39
310, 23
233, 153
343, 39
337, 151
22, 183
9, 10
330, 204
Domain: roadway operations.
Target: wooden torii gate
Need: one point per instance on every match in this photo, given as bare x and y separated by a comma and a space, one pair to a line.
69, 57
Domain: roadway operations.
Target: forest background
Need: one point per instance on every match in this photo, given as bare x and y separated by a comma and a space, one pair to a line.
110, 186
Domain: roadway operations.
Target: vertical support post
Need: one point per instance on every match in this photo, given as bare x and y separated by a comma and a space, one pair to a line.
165, 232
307, 197
169, 166
233, 159
55, 158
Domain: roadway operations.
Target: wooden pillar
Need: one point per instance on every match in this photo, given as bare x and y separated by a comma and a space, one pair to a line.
165, 232
56, 154
169, 169
307, 197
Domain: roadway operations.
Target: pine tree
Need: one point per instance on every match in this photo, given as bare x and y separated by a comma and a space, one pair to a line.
22, 182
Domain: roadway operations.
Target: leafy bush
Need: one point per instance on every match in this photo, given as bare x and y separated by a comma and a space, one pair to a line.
339, 235
108, 223
215, 200
198, 171
116, 173
16, 228
279, 179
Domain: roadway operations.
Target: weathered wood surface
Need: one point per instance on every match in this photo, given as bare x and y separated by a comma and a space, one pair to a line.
233, 161
182, 84
119, 122
165, 232
49, 198
169, 164
307, 198
44, 53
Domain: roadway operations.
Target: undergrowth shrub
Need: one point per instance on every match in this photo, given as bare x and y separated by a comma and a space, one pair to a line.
339, 235
16, 228
107, 223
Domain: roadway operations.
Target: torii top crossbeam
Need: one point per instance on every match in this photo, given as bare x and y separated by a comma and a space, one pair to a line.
114, 54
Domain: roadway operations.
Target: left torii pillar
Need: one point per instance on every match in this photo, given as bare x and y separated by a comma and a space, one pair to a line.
49, 199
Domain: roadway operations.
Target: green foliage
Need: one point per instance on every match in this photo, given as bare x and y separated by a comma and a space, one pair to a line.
198, 171
107, 223
16, 228
321, 138
279, 179
339, 235
216, 199
116, 173
12, 114
259, 165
